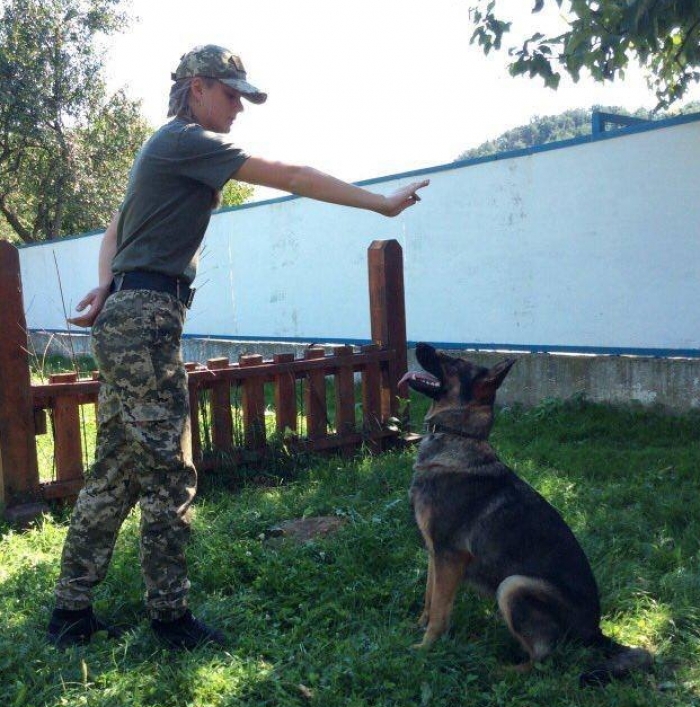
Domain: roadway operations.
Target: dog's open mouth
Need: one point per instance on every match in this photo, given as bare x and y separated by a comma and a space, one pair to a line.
422, 382
428, 381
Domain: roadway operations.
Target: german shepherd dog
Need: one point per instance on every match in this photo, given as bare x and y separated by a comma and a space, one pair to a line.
484, 525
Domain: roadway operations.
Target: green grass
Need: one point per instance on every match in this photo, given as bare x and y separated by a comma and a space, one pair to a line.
331, 622
43, 367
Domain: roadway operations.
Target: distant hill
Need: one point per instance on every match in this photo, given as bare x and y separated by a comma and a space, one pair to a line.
551, 128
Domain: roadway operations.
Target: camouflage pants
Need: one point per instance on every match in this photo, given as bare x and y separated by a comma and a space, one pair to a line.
143, 455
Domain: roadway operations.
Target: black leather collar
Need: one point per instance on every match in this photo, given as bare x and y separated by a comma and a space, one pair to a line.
438, 428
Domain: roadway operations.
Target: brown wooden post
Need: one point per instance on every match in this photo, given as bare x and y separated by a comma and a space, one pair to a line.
253, 403
221, 418
285, 395
193, 394
19, 470
388, 316
344, 391
68, 449
315, 399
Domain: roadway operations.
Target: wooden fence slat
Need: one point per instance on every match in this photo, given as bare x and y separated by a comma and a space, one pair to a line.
371, 395
253, 403
40, 426
61, 490
44, 393
68, 448
315, 402
344, 391
285, 395
221, 417
193, 393
388, 391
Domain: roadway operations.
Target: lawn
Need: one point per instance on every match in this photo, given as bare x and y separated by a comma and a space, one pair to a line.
331, 622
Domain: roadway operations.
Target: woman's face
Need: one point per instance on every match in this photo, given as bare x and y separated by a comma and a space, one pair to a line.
216, 105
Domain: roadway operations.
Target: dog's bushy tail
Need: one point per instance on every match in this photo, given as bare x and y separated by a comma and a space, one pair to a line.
619, 662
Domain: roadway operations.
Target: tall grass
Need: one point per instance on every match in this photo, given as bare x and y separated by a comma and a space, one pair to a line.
331, 622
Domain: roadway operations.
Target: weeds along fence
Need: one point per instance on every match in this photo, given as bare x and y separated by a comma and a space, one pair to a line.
240, 411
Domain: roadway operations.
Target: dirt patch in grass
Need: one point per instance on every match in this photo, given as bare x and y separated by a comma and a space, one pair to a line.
304, 530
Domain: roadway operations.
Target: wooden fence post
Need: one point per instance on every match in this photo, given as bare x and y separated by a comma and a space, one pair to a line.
195, 429
344, 391
371, 393
285, 398
19, 473
253, 404
388, 315
68, 448
315, 400
221, 417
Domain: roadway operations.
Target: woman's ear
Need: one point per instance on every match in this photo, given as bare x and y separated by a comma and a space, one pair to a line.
196, 90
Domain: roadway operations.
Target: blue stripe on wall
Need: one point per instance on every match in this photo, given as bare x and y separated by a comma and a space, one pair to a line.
448, 345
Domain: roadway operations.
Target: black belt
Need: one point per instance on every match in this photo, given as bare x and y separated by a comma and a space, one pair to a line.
158, 282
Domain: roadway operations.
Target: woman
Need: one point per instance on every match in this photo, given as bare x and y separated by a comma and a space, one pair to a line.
147, 262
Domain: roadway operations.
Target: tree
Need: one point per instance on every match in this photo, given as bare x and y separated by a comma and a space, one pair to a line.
663, 36
538, 131
550, 128
65, 148
543, 129
235, 193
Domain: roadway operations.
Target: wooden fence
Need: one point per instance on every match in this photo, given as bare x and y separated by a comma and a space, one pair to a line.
234, 406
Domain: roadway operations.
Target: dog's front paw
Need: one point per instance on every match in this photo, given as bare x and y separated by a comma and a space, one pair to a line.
429, 637
422, 646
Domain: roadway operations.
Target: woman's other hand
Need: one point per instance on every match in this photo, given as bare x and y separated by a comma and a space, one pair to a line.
94, 300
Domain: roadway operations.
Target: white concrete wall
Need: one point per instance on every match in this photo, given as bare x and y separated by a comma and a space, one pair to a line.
590, 245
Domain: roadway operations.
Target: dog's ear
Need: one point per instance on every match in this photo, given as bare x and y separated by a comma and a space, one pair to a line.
485, 387
500, 371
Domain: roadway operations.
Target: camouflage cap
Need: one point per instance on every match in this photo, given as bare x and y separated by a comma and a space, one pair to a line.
218, 63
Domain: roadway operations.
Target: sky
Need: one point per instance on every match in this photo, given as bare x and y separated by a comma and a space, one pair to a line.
358, 89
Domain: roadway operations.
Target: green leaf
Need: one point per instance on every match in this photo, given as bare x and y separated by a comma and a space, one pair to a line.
661, 37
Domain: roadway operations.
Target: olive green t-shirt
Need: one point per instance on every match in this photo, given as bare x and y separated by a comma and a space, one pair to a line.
169, 198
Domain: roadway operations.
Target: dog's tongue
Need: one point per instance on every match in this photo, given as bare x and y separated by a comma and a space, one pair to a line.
419, 376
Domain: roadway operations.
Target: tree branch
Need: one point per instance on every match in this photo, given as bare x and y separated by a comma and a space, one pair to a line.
16, 224
688, 36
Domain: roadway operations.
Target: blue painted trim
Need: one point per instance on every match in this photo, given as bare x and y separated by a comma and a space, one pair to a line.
583, 350
600, 119
447, 345
62, 239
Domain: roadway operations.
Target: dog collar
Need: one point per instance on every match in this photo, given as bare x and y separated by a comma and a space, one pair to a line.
438, 428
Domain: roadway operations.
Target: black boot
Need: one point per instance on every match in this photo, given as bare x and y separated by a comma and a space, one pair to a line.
75, 628
186, 632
